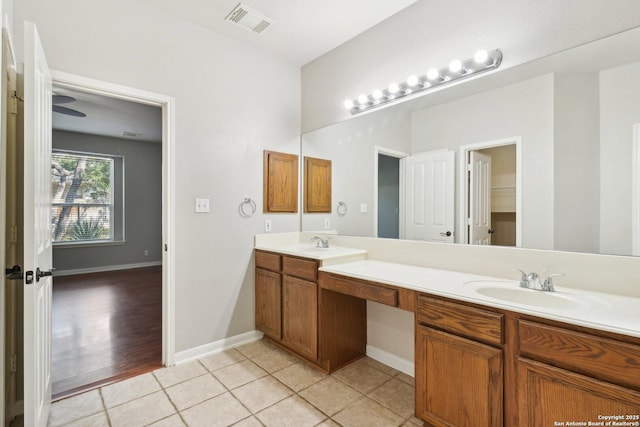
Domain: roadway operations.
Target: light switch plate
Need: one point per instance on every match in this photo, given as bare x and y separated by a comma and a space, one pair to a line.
327, 223
267, 225
202, 205
364, 208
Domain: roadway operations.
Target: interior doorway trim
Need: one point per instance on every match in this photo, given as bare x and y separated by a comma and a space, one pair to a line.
635, 197
462, 230
167, 103
391, 153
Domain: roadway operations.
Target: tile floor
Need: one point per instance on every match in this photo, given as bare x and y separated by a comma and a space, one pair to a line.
256, 384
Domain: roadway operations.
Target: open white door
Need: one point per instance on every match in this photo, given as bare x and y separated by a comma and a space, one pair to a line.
37, 231
429, 196
479, 199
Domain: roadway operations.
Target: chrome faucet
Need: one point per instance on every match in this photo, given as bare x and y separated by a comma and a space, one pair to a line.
532, 281
320, 242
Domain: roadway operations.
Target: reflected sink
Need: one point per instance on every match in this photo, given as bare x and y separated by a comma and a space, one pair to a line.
510, 292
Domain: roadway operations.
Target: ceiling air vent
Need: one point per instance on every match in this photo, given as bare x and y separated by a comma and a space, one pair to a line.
249, 19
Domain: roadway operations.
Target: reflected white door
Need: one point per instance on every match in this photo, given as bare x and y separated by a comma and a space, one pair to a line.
479, 198
37, 231
429, 196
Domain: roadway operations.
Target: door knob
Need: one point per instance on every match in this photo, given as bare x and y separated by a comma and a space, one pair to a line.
41, 273
448, 233
491, 231
14, 273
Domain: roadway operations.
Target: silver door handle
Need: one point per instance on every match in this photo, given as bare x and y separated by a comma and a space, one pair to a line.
446, 233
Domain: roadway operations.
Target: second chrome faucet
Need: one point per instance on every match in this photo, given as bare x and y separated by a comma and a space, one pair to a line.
532, 281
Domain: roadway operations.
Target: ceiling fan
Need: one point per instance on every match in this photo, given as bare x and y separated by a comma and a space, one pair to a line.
64, 99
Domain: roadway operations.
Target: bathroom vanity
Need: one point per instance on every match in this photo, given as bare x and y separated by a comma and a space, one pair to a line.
484, 354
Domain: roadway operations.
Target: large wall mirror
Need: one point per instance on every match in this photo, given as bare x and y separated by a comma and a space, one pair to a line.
544, 155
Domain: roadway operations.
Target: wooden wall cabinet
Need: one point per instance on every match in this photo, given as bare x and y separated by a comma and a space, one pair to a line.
317, 185
280, 182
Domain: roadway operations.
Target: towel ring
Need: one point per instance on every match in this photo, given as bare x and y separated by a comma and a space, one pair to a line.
247, 208
342, 208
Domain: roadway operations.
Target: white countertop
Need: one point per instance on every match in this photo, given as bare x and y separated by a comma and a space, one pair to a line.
326, 256
607, 312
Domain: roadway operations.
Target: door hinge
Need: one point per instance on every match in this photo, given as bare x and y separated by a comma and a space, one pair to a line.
166, 248
468, 221
469, 167
13, 363
13, 105
13, 234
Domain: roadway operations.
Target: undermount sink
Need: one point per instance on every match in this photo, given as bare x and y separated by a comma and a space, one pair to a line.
509, 292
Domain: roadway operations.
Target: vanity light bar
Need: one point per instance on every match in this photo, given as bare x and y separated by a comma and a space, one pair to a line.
456, 70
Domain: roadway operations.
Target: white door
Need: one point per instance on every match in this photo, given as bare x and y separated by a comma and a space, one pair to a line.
429, 196
479, 198
37, 231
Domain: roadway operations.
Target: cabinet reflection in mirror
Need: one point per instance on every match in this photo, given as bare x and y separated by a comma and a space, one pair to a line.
539, 155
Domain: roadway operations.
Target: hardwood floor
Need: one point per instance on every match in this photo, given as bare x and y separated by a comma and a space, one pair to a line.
106, 327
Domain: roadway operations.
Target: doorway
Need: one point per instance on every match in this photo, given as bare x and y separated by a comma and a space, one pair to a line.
490, 194
106, 186
388, 196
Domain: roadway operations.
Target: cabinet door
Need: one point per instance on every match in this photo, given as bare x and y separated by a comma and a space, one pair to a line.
549, 395
300, 316
458, 381
269, 303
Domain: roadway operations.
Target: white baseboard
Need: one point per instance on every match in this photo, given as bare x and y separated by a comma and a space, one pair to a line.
217, 346
390, 359
106, 268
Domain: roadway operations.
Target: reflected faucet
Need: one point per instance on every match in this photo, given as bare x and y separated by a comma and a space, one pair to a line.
532, 281
320, 242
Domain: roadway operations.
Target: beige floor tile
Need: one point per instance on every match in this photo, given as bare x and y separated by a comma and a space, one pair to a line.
223, 410
330, 395
362, 376
261, 393
380, 366
256, 348
221, 360
291, 412
74, 408
413, 421
172, 421
328, 423
406, 378
194, 391
179, 373
133, 388
273, 361
142, 411
97, 420
299, 376
249, 422
239, 374
397, 396
367, 413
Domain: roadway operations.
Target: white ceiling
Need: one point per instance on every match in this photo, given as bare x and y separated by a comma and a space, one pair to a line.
302, 31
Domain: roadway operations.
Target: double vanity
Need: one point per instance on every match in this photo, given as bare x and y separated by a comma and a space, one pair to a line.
487, 351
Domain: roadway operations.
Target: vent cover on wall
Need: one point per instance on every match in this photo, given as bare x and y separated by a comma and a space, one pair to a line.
249, 19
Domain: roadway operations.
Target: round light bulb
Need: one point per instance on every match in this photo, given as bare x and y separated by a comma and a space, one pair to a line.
377, 94
348, 104
394, 88
433, 74
481, 56
455, 66
412, 80
363, 99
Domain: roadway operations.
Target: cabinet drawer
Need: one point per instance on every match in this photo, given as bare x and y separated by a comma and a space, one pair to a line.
268, 261
302, 268
598, 357
460, 319
359, 289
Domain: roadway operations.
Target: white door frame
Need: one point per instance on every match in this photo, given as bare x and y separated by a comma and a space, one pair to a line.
167, 104
398, 155
464, 185
635, 197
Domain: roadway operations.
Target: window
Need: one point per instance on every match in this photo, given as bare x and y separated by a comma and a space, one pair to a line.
82, 189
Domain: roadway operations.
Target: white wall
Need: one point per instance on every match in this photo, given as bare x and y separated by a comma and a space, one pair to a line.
432, 33
522, 109
232, 102
619, 111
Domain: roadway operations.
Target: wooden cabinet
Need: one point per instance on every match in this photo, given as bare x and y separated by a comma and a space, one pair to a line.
326, 328
280, 182
482, 366
300, 316
459, 381
317, 185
